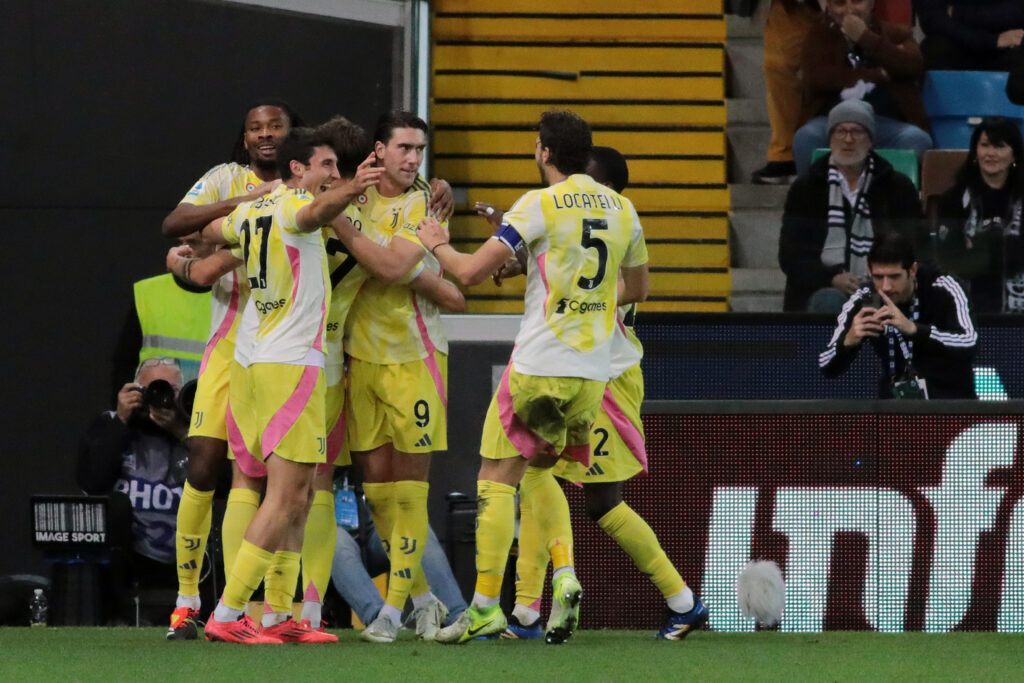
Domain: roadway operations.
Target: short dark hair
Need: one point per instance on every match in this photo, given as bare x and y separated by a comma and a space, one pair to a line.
1000, 130
608, 167
239, 154
298, 145
387, 123
567, 137
892, 247
350, 143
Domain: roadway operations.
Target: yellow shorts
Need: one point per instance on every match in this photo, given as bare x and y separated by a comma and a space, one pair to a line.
404, 404
617, 438
531, 415
334, 410
276, 408
212, 392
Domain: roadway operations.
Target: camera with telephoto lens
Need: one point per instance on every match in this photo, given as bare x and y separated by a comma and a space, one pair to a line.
160, 394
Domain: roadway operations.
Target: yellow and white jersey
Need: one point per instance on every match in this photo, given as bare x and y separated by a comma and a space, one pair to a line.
231, 291
288, 278
391, 324
577, 233
627, 350
347, 277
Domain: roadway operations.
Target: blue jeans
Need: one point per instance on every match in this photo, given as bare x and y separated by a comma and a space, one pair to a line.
353, 582
889, 134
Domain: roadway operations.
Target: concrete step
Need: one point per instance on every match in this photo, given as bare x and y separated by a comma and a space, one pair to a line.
745, 60
744, 27
745, 195
745, 110
757, 290
743, 302
747, 146
755, 238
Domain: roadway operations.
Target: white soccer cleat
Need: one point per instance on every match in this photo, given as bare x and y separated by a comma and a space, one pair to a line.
381, 630
429, 619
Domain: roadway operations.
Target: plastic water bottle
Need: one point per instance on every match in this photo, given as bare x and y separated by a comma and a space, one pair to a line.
38, 609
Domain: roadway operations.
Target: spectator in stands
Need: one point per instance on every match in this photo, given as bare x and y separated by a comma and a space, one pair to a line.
168, 317
850, 55
920, 326
787, 26
834, 211
972, 35
137, 456
978, 229
1015, 83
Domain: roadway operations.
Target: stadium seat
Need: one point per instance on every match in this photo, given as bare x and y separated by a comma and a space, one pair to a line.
938, 172
903, 160
957, 100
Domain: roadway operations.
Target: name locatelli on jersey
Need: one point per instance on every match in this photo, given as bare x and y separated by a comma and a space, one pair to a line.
587, 200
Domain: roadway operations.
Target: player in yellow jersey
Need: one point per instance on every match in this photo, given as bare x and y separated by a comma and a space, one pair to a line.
578, 235
276, 407
396, 412
619, 453
251, 173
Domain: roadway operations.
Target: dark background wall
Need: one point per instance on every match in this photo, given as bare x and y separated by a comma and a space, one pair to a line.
111, 110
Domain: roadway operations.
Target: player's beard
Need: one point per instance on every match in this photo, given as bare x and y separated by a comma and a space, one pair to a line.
265, 164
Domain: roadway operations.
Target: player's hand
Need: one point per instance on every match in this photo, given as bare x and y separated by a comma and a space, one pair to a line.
264, 188
890, 314
442, 201
128, 399
176, 255
510, 268
168, 420
1011, 38
492, 213
366, 175
343, 227
853, 27
847, 283
865, 324
431, 233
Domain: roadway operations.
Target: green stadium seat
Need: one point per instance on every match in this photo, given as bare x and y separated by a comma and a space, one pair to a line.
903, 160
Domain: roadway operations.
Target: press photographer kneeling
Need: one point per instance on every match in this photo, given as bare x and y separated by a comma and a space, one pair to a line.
918, 320
137, 455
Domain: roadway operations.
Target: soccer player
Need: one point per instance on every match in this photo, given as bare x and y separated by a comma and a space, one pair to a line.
251, 173
578, 235
276, 408
396, 412
617, 444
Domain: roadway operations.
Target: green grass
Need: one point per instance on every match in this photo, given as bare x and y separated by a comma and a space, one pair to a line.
116, 654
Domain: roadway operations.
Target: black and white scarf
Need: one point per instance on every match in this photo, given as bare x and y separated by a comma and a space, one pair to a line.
1013, 283
849, 245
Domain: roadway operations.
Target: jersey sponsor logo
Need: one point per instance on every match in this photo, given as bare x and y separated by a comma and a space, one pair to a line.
268, 306
574, 306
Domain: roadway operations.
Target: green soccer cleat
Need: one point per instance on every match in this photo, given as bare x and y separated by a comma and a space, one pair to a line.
565, 609
474, 623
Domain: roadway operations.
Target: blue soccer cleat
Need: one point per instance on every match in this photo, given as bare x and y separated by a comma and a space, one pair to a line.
516, 631
678, 626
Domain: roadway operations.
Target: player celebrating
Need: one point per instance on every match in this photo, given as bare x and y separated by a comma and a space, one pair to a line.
276, 410
251, 173
396, 412
578, 234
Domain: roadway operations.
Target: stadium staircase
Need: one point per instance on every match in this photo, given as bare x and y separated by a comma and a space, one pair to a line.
650, 80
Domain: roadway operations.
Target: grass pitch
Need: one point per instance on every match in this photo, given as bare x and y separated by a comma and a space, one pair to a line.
128, 654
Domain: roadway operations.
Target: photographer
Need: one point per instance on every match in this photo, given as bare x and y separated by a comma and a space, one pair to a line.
136, 455
919, 322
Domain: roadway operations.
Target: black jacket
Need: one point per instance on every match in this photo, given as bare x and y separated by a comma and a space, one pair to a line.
942, 349
894, 205
975, 24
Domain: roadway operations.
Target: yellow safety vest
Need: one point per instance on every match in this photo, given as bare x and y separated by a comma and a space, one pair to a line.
175, 322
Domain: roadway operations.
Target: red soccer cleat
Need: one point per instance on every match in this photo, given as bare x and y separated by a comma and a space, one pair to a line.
184, 624
291, 631
244, 630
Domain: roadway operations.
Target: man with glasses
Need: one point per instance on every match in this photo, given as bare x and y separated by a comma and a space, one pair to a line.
834, 211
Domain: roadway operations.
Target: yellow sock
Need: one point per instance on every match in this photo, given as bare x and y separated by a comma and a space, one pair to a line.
495, 527
318, 546
554, 525
250, 565
279, 582
634, 535
407, 539
241, 508
381, 500
193, 528
532, 563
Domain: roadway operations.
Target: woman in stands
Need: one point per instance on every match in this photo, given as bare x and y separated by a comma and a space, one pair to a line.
977, 231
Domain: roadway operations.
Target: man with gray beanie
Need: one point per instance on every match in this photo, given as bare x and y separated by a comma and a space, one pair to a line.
852, 56
834, 211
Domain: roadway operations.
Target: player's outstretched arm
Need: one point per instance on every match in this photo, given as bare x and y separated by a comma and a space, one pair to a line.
214, 231
387, 264
443, 293
634, 284
200, 271
187, 218
469, 269
327, 205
